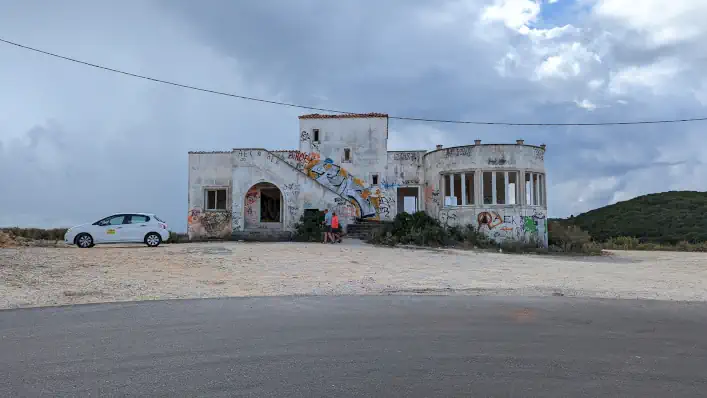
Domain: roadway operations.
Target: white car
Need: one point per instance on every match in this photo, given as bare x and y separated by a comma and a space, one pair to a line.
120, 228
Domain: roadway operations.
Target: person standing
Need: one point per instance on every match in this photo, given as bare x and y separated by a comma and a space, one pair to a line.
327, 226
335, 228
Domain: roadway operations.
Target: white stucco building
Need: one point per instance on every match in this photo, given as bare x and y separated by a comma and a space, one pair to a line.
343, 164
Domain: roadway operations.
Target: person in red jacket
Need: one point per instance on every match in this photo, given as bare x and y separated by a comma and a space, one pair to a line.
335, 228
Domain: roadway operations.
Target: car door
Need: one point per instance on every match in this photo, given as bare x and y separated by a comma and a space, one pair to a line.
136, 227
110, 229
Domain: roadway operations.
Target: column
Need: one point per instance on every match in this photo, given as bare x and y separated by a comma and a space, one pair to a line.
463, 189
451, 186
493, 187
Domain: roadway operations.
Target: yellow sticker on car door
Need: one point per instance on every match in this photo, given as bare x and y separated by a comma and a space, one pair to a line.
110, 232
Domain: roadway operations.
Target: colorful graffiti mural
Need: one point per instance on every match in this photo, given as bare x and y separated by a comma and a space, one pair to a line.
338, 179
211, 223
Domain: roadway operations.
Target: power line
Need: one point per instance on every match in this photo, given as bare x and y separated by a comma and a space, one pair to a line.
418, 119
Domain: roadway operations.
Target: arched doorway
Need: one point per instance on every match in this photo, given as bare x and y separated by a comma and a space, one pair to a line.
263, 207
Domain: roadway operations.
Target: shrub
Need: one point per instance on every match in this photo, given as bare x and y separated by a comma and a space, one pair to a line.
310, 227
37, 233
622, 243
570, 239
418, 229
175, 237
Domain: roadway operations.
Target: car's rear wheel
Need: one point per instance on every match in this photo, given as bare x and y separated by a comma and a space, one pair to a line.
84, 241
153, 239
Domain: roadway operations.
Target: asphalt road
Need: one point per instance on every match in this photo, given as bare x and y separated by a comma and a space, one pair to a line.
382, 346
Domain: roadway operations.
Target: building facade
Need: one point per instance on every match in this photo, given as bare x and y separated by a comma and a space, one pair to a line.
343, 164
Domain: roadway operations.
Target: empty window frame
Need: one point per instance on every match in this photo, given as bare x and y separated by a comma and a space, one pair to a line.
216, 199
458, 189
500, 187
315, 133
469, 188
347, 154
487, 188
374, 179
535, 189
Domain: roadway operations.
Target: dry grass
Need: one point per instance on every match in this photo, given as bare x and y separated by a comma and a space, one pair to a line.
37, 276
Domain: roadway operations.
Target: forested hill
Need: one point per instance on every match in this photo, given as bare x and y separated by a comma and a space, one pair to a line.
667, 217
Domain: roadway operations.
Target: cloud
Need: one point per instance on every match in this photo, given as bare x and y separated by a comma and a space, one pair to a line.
77, 143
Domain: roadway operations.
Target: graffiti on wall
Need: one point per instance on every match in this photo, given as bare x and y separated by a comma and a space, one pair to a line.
251, 206
448, 217
209, 223
497, 161
460, 151
405, 156
385, 205
490, 219
338, 179
302, 160
304, 136
500, 227
291, 192
539, 153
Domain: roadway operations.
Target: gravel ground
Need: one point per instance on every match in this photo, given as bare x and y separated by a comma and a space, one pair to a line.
38, 276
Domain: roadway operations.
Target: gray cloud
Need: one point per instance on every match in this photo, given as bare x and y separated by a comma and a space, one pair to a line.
76, 143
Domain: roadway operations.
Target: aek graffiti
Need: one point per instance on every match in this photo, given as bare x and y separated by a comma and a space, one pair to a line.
491, 219
530, 225
338, 179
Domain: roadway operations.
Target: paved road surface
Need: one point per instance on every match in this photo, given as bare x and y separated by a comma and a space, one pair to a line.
383, 346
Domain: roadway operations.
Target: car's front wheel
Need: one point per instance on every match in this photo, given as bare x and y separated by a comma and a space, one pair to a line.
84, 241
153, 239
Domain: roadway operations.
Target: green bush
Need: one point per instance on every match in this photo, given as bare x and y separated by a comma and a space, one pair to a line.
175, 237
623, 243
417, 229
570, 239
422, 230
310, 227
666, 218
37, 233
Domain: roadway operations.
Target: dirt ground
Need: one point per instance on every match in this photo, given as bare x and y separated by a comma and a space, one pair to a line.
38, 276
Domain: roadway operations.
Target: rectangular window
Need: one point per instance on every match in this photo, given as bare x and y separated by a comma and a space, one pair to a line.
501, 187
315, 133
469, 187
347, 154
487, 187
447, 185
457, 196
528, 189
512, 188
216, 199
375, 179
535, 189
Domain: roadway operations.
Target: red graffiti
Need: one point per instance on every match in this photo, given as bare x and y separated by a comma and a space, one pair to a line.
251, 197
490, 219
303, 157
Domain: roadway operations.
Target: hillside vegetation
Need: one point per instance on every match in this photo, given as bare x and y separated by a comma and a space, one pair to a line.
663, 218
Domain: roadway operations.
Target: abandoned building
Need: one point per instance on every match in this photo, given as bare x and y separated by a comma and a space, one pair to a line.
343, 164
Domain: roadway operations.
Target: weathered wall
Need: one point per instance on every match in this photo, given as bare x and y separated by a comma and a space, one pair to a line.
404, 169
367, 137
369, 199
501, 222
299, 191
207, 170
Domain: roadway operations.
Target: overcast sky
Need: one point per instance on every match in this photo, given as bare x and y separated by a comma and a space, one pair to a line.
78, 143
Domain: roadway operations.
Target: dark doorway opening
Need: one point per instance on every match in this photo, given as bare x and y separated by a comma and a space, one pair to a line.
270, 205
408, 200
